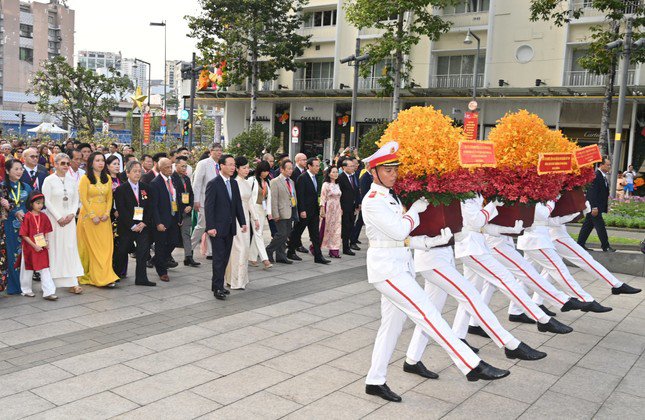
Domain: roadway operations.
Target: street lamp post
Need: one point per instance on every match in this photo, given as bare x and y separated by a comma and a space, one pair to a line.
354, 60
469, 41
165, 65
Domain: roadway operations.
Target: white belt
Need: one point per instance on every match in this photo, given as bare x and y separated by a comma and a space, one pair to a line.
540, 223
388, 244
470, 229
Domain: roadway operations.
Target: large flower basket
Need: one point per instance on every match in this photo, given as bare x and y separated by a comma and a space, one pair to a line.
571, 201
509, 213
438, 217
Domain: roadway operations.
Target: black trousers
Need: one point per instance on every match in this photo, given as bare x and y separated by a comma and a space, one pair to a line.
164, 244
347, 227
588, 225
312, 224
279, 242
142, 250
295, 238
221, 254
356, 232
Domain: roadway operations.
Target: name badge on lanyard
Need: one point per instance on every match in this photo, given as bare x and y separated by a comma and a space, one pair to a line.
185, 198
174, 206
39, 238
138, 214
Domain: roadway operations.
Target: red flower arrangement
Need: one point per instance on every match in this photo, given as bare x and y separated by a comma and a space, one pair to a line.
578, 180
438, 188
527, 187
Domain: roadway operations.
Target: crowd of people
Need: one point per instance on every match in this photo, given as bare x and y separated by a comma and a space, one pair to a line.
59, 204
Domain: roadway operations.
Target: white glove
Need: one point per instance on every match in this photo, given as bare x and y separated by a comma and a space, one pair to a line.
497, 203
424, 242
519, 226
420, 205
587, 209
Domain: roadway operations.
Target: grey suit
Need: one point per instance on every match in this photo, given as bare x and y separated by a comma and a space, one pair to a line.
282, 209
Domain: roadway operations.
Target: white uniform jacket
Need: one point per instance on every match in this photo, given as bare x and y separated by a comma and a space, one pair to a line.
558, 228
438, 257
537, 236
387, 228
494, 238
470, 241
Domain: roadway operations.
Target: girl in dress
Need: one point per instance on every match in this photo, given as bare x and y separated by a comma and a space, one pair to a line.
33, 231
18, 192
330, 213
261, 192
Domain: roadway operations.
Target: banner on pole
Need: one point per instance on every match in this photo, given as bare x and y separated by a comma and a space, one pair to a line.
146, 128
471, 122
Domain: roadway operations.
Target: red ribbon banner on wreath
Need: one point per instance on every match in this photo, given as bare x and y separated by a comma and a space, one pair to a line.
554, 163
477, 154
588, 155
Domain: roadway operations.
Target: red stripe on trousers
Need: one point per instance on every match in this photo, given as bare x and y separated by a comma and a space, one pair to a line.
527, 275
583, 259
509, 290
562, 275
471, 304
429, 323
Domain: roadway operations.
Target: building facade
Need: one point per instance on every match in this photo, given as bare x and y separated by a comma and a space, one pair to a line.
521, 65
99, 60
32, 32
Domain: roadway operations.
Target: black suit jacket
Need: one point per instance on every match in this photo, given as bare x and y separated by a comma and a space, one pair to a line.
349, 193
162, 208
41, 174
125, 202
148, 177
365, 184
179, 186
296, 173
307, 195
221, 211
598, 193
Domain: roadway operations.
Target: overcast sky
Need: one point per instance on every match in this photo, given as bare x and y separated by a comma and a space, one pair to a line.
123, 25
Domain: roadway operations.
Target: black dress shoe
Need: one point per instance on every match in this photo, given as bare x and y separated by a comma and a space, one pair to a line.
302, 249
354, 247
547, 311
573, 304
625, 289
524, 352
473, 348
189, 261
321, 260
523, 318
382, 391
583, 246
349, 252
477, 331
171, 259
596, 307
171, 264
284, 261
420, 370
149, 264
209, 257
147, 283
271, 260
226, 291
358, 242
486, 372
219, 295
608, 249
555, 327
294, 257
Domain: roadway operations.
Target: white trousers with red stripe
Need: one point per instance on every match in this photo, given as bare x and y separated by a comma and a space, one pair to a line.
551, 264
485, 268
403, 297
570, 250
444, 281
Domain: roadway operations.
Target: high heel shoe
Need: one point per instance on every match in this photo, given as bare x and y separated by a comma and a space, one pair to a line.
334, 254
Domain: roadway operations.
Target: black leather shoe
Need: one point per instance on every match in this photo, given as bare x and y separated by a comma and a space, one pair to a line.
420, 370
382, 391
149, 264
284, 261
358, 242
573, 304
474, 349
302, 249
219, 295
171, 264
321, 260
349, 252
608, 249
486, 372
148, 283
583, 246
524, 352
189, 261
294, 257
226, 291
596, 307
209, 257
625, 289
355, 247
555, 327
547, 311
477, 331
271, 260
523, 318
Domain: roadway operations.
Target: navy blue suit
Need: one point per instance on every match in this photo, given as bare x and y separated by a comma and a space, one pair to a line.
35, 182
162, 214
598, 197
221, 213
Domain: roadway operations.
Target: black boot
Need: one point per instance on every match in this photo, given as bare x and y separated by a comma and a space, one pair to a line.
596, 307
547, 311
420, 370
624, 289
382, 391
477, 331
486, 372
555, 327
573, 304
522, 318
474, 349
524, 352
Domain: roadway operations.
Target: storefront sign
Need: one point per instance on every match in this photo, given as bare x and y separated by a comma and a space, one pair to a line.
588, 155
375, 120
471, 121
477, 154
305, 118
553, 163
260, 118
146, 128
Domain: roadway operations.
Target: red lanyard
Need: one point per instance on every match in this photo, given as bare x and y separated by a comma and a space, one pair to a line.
216, 168
37, 221
289, 187
171, 190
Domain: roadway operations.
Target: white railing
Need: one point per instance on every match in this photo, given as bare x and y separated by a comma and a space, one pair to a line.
369, 83
314, 84
586, 78
267, 85
589, 10
456, 81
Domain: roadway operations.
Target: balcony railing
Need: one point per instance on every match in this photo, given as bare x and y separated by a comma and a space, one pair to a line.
585, 78
314, 84
456, 81
369, 83
267, 85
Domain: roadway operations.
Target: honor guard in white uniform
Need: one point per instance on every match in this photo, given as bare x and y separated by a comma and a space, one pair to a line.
390, 269
539, 249
436, 262
570, 250
480, 266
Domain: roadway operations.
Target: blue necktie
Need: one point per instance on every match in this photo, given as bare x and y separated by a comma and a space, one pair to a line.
313, 179
228, 188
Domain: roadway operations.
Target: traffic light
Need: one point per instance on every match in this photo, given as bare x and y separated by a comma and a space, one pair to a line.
186, 129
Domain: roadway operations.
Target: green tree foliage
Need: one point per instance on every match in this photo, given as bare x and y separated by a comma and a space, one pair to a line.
253, 143
367, 145
255, 38
77, 96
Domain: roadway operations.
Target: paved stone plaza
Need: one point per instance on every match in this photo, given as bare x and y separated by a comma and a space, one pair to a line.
295, 344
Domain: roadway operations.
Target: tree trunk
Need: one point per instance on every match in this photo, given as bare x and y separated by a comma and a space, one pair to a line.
398, 63
603, 141
254, 83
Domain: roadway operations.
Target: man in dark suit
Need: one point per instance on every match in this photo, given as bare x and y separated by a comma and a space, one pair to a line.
364, 184
34, 174
223, 205
300, 166
134, 207
186, 202
309, 212
166, 217
598, 197
348, 203
152, 173
295, 239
